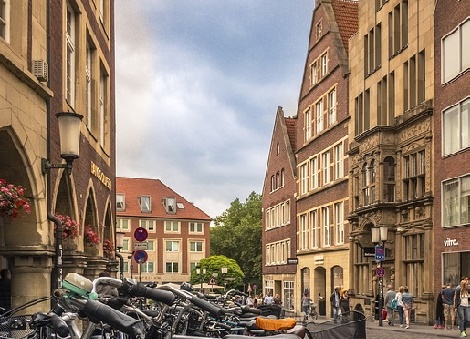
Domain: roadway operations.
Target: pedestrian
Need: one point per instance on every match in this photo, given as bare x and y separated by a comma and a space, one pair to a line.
463, 306
255, 302
407, 298
389, 296
448, 296
344, 306
439, 322
268, 300
277, 299
399, 297
306, 305
5, 290
249, 301
334, 301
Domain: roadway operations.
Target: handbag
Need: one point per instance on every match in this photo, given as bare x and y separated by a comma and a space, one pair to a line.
394, 304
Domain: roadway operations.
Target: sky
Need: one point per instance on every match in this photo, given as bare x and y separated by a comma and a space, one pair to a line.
198, 83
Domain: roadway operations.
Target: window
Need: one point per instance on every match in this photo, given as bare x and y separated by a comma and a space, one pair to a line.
103, 109
125, 267
196, 246
456, 121
269, 287
122, 224
318, 31
389, 179
70, 57
338, 166
413, 81
398, 28
196, 227
171, 267
315, 229
325, 213
282, 178
319, 114
332, 107
172, 246
192, 266
172, 226
89, 92
170, 205
144, 202
314, 173
273, 183
326, 167
324, 64
414, 263
372, 50
303, 179
339, 222
307, 125
288, 294
146, 267
455, 52
379, 4
413, 179
456, 205
304, 232
362, 112
149, 225
120, 202
368, 183
5, 20
150, 245
126, 242
314, 74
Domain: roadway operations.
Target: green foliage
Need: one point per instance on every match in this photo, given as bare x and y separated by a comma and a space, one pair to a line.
213, 265
237, 235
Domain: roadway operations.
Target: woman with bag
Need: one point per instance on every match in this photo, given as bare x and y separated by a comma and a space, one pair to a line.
399, 302
463, 306
407, 298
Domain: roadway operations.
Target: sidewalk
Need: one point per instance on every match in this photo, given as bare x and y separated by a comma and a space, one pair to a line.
415, 328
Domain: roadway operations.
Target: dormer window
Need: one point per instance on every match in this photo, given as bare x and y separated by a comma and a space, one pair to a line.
120, 202
144, 202
170, 205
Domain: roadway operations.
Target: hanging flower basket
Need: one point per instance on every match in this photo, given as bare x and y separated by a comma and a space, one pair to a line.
108, 248
12, 200
70, 227
91, 237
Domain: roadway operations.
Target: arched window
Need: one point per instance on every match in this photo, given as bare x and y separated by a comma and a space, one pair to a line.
389, 179
282, 178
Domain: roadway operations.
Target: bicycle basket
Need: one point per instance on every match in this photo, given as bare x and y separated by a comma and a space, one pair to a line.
16, 327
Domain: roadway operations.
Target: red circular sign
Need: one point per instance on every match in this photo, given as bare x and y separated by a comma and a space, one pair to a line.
140, 256
140, 234
380, 271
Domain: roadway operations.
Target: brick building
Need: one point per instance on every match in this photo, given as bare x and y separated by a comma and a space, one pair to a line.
178, 231
451, 142
279, 222
56, 56
391, 150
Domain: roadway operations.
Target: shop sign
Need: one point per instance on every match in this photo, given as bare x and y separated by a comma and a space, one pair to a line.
96, 171
451, 242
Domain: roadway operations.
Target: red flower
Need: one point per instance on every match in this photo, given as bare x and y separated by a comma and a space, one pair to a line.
108, 247
12, 200
91, 237
70, 227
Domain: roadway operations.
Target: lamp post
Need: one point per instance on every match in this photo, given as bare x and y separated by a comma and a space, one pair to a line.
69, 137
379, 234
223, 270
119, 246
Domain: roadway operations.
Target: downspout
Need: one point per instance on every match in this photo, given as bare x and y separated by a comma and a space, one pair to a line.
50, 215
121, 264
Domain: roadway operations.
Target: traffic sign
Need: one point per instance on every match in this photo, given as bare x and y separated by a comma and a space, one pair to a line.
140, 234
140, 256
379, 253
141, 245
212, 281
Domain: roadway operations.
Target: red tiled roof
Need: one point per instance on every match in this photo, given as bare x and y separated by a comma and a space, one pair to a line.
346, 15
132, 188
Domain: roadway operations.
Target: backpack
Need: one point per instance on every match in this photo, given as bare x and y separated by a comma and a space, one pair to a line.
394, 304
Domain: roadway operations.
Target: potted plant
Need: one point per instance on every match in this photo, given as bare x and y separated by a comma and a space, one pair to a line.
12, 200
108, 248
70, 230
91, 237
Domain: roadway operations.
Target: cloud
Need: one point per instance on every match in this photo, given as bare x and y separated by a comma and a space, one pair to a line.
197, 89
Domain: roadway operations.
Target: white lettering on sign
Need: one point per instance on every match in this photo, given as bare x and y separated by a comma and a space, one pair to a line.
450, 242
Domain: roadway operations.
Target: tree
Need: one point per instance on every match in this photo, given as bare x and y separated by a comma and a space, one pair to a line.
237, 235
214, 264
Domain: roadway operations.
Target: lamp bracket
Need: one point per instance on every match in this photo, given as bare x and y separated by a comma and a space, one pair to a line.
46, 166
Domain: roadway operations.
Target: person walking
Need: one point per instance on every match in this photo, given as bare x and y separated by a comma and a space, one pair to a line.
334, 301
399, 297
344, 306
439, 321
389, 296
407, 298
463, 306
5, 290
448, 296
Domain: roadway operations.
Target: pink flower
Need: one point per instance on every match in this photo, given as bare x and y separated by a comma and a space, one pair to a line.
12, 200
70, 227
91, 237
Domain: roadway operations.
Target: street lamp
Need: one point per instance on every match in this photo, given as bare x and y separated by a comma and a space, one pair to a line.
379, 234
119, 246
69, 136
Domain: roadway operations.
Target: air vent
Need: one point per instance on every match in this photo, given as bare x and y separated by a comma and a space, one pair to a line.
40, 70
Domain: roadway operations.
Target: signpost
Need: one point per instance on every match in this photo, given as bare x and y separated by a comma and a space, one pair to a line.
141, 245
379, 253
141, 234
140, 256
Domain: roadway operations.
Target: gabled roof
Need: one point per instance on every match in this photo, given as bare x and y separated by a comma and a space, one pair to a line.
346, 15
133, 188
